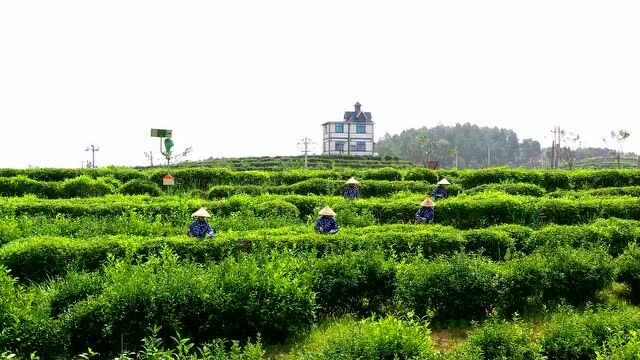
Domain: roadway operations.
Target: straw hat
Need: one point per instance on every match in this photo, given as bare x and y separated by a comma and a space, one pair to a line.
353, 181
327, 211
428, 203
202, 212
443, 182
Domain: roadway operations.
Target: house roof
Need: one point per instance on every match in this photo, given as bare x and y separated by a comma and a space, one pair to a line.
360, 116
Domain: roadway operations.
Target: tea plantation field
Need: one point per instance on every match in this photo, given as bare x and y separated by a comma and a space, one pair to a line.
519, 264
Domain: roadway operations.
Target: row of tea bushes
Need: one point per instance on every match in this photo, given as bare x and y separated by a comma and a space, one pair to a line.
40, 257
82, 186
224, 182
476, 211
278, 295
233, 300
371, 188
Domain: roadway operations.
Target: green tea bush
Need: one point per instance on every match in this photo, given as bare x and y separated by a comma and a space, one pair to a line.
295, 176
21, 185
501, 340
510, 188
459, 287
386, 173
563, 275
494, 244
571, 335
252, 178
386, 338
556, 179
353, 283
195, 178
85, 186
621, 346
315, 187
75, 287
140, 187
233, 300
40, 258
421, 174
628, 265
277, 208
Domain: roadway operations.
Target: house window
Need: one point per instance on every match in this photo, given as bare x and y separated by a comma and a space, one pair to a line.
361, 129
340, 146
361, 146
339, 128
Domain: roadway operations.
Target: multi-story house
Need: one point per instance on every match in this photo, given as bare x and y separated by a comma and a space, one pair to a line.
352, 136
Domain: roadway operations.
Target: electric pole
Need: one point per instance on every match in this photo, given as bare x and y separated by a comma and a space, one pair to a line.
489, 156
305, 143
93, 150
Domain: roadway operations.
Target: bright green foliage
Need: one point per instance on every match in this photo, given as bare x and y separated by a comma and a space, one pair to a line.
460, 287
353, 283
85, 186
233, 300
386, 338
570, 335
140, 187
510, 188
501, 340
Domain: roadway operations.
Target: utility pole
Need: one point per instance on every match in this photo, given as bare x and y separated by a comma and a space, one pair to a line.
93, 150
305, 142
489, 156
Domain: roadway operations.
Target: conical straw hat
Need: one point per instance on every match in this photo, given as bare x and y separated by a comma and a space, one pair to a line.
443, 182
327, 211
428, 203
202, 212
353, 181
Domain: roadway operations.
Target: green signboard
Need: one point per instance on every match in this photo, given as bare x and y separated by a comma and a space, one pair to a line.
161, 133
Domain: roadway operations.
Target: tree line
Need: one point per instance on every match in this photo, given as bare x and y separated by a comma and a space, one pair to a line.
470, 146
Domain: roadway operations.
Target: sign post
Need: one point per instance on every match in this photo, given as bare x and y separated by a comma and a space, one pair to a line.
168, 181
165, 134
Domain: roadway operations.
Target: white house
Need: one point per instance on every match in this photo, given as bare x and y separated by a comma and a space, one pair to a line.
353, 136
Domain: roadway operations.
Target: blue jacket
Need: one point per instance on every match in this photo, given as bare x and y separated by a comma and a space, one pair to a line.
200, 228
439, 193
326, 225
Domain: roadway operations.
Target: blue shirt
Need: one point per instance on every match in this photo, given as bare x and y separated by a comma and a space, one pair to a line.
200, 228
327, 225
425, 212
439, 192
351, 192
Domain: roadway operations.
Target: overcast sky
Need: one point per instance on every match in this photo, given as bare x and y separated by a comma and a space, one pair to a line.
252, 77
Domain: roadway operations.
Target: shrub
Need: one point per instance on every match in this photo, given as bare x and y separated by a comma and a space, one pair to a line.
628, 265
387, 338
421, 174
316, 187
277, 208
510, 188
73, 288
386, 173
85, 186
561, 275
140, 187
353, 282
501, 340
233, 299
459, 287
571, 335
494, 244
252, 178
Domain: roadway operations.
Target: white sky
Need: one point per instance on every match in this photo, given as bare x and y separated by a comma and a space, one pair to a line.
241, 77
